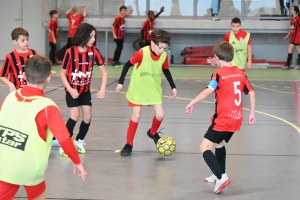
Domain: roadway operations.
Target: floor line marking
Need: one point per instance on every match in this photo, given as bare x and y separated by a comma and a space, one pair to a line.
272, 89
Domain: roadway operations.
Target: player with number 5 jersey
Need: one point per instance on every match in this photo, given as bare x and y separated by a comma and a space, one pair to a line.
227, 83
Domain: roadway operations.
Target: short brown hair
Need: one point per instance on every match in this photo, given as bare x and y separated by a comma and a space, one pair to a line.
122, 7
161, 36
224, 51
53, 12
75, 9
15, 34
37, 69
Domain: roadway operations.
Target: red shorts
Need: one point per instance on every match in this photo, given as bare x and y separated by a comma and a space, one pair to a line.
8, 190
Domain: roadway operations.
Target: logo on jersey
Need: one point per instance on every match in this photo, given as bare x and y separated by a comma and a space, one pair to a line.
91, 56
80, 74
238, 50
235, 114
233, 42
13, 138
122, 27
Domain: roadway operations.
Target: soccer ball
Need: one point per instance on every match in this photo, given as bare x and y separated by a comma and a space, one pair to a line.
166, 146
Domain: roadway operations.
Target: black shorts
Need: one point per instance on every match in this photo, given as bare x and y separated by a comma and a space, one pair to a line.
294, 43
84, 99
217, 136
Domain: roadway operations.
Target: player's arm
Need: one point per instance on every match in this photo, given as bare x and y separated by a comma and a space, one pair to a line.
162, 9
52, 33
143, 30
212, 86
113, 28
84, 11
252, 118
126, 67
4, 74
68, 11
169, 77
58, 128
63, 75
249, 63
58, 10
286, 37
100, 63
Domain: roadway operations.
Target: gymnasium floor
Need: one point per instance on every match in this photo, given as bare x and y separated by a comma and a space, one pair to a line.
262, 162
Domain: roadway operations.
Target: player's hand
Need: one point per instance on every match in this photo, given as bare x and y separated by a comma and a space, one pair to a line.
53, 73
115, 37
82, 173
174, 94
12, 87
189, 108
162, 9
54, 41
101, 94
119, 87
74, 93
249, 65
251, 120
144, 41
286, 37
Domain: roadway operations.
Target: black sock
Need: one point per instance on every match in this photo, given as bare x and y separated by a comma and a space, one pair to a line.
289, 59
213, 163
83, 129
298, 58
221, 157
70, 126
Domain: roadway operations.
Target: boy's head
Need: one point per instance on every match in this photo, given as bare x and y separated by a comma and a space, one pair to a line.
85, 35
294, 10
223, 51
53, 14
123, 10
151, 14
236, 25
160, 41
37, 70
20, 38
75, 10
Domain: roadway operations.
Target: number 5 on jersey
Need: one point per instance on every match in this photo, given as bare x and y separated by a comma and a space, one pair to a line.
238, 92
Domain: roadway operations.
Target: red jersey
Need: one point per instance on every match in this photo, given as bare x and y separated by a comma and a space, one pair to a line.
53, 27
13, 66
79, 66
74, 22
138, 57
240, 36
228, 84
119, 25
147, 28
295, 30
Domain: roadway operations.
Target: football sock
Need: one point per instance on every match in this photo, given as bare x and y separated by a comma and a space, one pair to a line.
221, 157
70, 126
213, 163
155, 125
299, 57
83, 129
131, 132
289, 59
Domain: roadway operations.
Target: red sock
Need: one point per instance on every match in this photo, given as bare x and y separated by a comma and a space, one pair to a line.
131, 131
155, 125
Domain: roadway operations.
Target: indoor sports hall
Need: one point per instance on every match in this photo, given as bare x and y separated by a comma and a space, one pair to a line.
262, 160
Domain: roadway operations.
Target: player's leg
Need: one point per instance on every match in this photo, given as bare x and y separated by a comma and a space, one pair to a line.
51, 52
132, 127
118, 51
156, 122
211, 138
36, 192
290, 55
85, 102
73, 105
8, 191
220, 153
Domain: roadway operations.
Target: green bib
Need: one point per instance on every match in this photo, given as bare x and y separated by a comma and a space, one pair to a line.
145, 82
23, 154
240, 50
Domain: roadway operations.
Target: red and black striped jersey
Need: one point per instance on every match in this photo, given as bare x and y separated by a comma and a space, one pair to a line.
119, 25
13, 66
79, 66
295, 30
147, 28
52, 27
